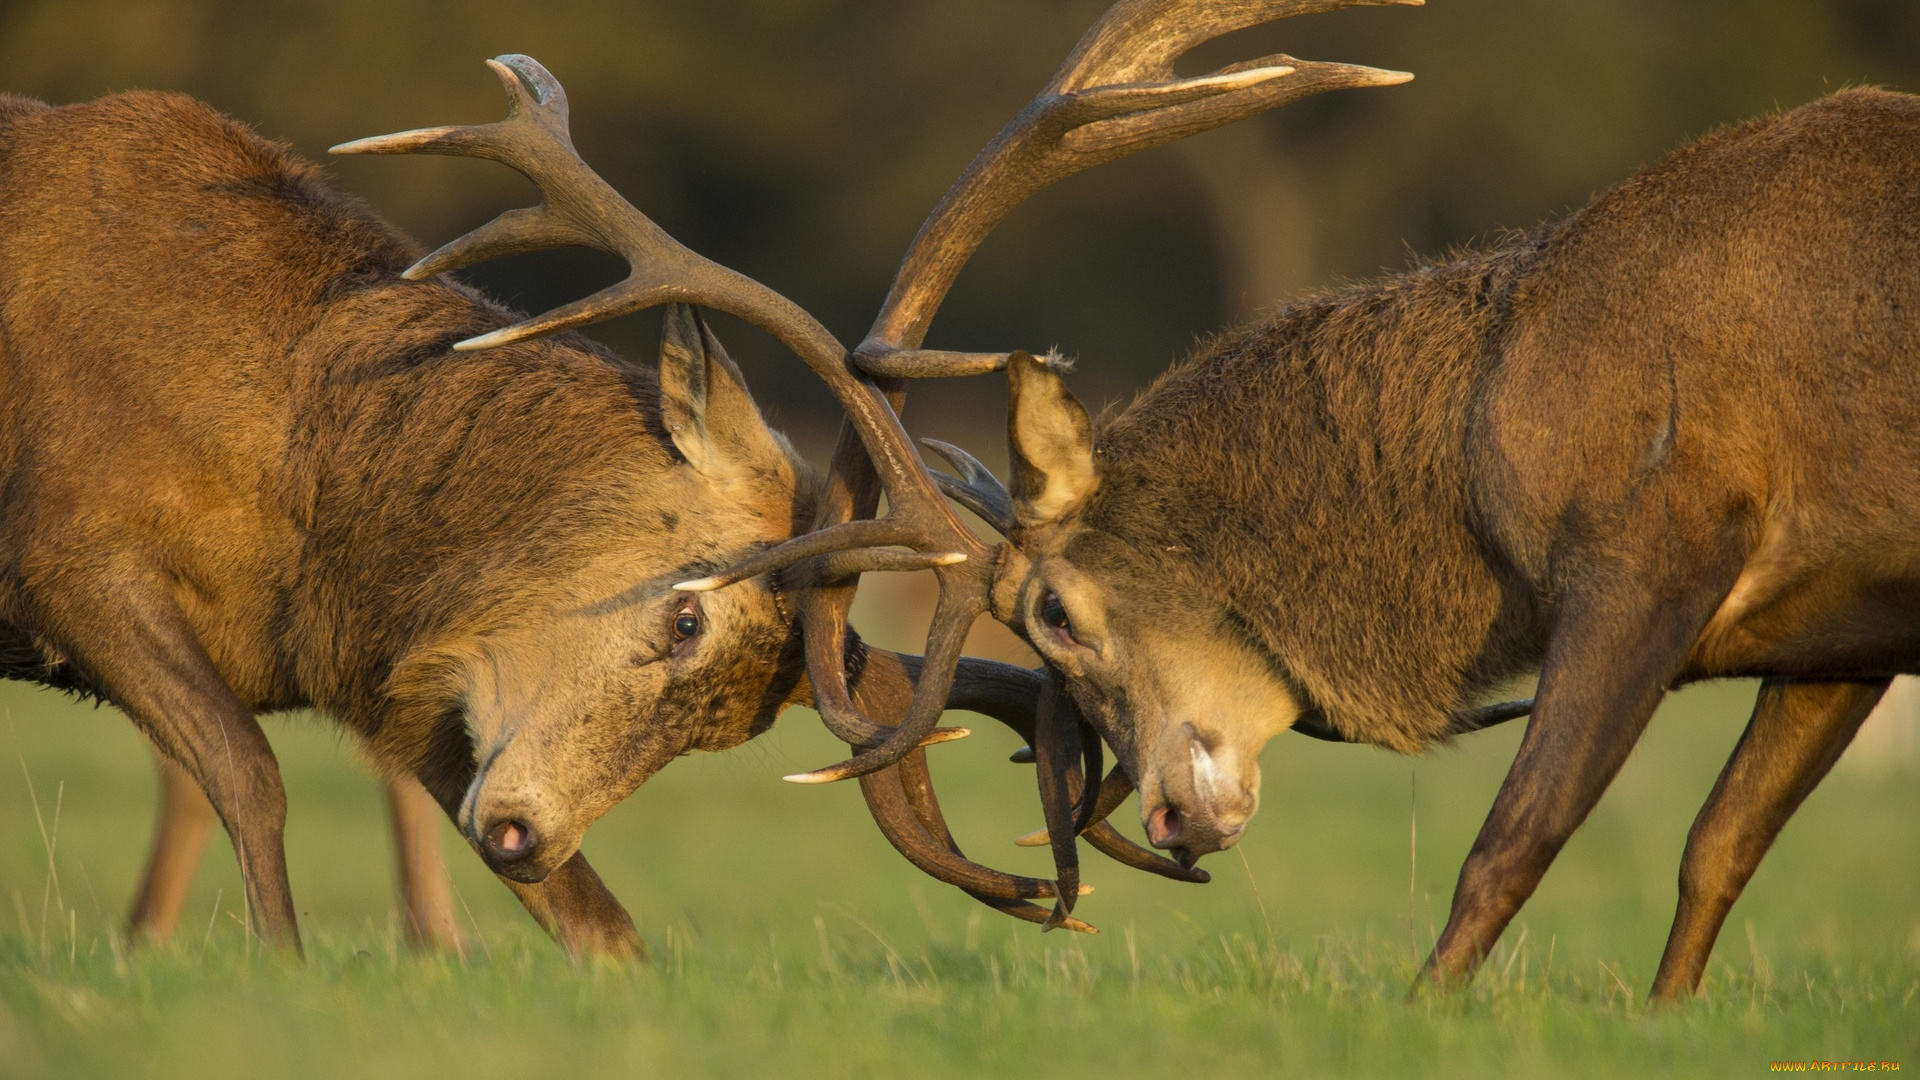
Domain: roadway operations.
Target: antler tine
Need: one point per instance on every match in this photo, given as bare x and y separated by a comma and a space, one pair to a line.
1109, 841
976, 488
1056, 745
917, 782
1115, 94
953, 615
579, 207
888, 802
1086, 800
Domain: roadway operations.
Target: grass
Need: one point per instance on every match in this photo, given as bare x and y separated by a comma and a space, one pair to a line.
787, 937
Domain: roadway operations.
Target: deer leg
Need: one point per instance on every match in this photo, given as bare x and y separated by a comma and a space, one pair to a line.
140, 649
425, 897
1797, 732
575, 907
180, 833
1609, 662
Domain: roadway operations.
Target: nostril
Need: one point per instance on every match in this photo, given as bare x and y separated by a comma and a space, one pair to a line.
510, 840
1163, 826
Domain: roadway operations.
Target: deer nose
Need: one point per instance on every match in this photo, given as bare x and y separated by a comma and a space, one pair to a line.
509, 841
1164, 826
1187, 835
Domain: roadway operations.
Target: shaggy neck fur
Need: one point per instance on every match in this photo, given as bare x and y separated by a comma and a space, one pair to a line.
1310, 474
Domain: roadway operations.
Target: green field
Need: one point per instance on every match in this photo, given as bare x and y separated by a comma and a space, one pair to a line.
788, 939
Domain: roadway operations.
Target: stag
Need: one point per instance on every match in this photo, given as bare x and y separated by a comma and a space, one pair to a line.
1115, 94
1097, 103
246, 471
1654, 443
1660, 441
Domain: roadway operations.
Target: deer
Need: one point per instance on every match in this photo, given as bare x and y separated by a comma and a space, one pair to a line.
248, 468
1115, 94
1657, 442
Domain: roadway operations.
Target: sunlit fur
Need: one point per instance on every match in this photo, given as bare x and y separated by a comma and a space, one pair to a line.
221, 399
1383, 492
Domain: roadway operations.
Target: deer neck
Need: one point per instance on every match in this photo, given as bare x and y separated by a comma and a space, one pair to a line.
1312, 472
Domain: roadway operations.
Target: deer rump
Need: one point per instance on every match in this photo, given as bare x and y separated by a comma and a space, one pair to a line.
1668, 439
244, 473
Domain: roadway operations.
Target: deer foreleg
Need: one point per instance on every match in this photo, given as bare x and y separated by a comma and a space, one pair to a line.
1797, 732
1610, 660
575, 907
142, 651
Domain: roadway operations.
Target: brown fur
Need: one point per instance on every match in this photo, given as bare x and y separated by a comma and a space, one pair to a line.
244, 472
1670, 438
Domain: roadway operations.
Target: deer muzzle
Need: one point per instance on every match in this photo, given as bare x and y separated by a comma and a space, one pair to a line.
1195, 798
515, 826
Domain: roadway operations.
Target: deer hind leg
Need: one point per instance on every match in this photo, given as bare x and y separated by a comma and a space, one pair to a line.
425, 898
1608, 664
1797, 732
180, 833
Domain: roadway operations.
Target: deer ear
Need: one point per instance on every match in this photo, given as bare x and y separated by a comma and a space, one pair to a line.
1051, 439
705, 405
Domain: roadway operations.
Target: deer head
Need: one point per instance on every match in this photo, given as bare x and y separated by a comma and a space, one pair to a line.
1115, 94
598, 674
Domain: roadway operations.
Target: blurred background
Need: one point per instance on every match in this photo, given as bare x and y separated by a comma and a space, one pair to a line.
801, 142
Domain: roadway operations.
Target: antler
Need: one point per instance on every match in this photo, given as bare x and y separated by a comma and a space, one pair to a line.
580, 208
1115, 94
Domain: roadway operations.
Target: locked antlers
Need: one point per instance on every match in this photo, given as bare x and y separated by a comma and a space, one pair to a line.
1115, 94
579, 208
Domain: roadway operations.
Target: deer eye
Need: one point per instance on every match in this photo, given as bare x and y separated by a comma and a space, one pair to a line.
686, 624
1054, 614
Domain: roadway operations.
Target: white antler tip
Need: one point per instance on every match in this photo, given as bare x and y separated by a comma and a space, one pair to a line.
705, 584
946, 735
487, 341
808, 778
950, 558
1240, 80
1037, 838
